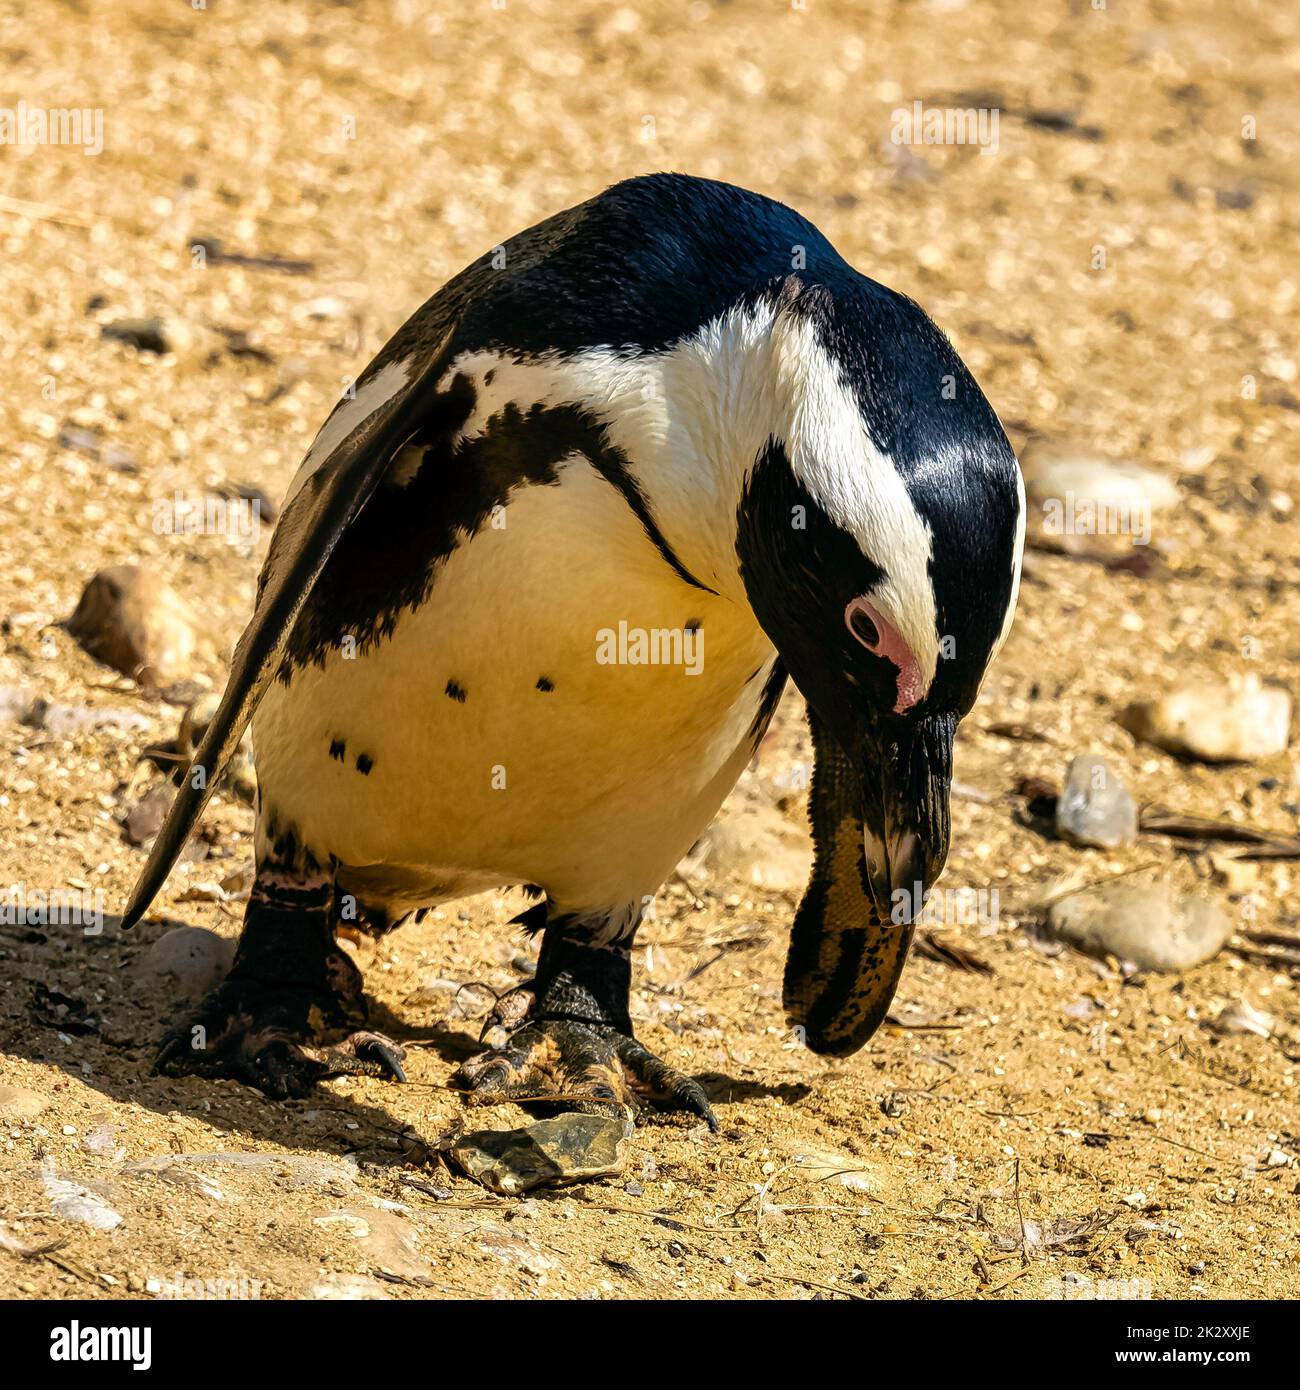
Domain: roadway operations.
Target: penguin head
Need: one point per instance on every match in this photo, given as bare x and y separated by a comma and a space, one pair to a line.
879, 538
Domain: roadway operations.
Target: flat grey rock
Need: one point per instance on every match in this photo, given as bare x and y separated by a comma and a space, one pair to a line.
390, 1242
754, 846
74, 1202
569, 1148
65, 721
1150, 924
1054, 471
300, 1169
338, 1287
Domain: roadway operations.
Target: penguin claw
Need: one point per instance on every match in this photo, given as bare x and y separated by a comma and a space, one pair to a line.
567, 1065
371, 1054
664, 1084
170, 1048
225, 1043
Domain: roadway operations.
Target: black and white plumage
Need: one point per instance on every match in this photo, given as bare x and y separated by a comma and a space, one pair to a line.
637, 413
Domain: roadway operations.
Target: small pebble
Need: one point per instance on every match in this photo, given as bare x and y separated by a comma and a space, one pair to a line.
130, 619
18, 1103
196, 958
1241, 1017
1094, 808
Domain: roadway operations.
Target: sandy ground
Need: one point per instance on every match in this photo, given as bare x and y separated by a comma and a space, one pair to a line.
1047, 1118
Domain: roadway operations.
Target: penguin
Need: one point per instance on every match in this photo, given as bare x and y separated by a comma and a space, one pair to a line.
532, 599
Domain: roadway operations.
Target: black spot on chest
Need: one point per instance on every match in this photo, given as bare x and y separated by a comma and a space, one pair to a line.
456, 692
364, 764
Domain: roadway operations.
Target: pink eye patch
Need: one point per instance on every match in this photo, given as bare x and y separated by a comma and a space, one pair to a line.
865, 621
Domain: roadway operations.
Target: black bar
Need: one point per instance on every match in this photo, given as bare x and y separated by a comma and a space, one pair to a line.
232, 1338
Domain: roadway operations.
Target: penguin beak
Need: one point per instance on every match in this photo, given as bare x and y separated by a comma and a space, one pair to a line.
906, 816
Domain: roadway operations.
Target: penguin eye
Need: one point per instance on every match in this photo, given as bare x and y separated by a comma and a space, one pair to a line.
862, 624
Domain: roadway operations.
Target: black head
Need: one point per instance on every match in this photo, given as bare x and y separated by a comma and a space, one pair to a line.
879, 544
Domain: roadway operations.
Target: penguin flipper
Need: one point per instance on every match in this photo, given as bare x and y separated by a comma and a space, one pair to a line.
844, 962
391, 400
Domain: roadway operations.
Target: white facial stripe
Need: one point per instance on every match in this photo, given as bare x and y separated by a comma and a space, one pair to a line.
856, 485
1017, 560
346, 416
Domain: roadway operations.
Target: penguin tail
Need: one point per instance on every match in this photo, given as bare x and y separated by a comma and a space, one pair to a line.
392, 401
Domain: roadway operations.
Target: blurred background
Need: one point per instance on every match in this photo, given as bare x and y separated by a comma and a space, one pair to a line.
253, 197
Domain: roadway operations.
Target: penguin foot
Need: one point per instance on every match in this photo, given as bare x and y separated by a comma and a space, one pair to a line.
565, 1064
292, 1010
267, 1041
